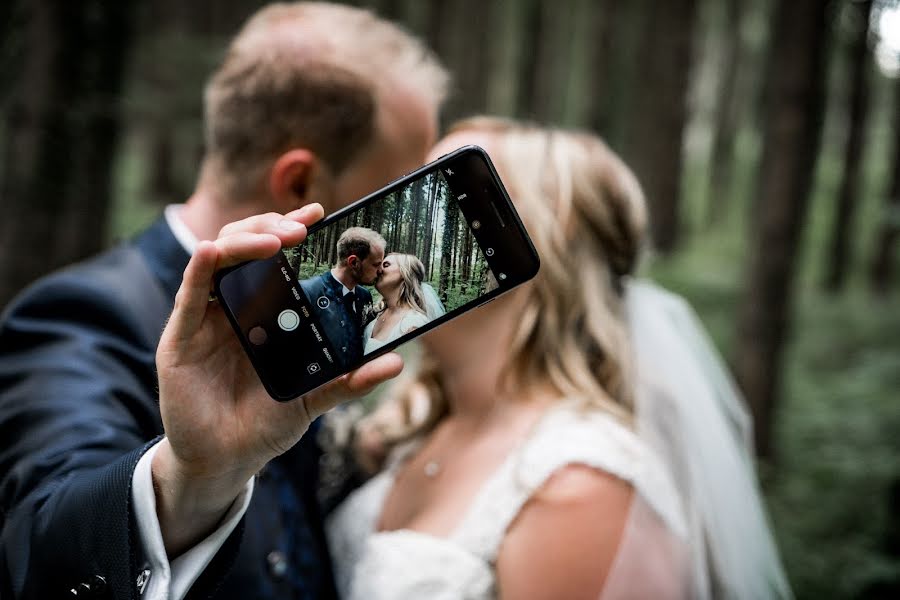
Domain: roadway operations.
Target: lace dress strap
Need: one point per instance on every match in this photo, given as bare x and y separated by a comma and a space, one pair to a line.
565, 436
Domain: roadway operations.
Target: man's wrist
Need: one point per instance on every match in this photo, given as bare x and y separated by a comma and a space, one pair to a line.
190, 503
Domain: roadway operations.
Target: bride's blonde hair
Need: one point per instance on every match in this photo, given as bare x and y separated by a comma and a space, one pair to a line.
585, 212
412, 273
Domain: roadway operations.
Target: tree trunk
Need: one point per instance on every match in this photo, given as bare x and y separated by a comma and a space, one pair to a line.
791, 139
600, 61
447, 236
501, 87
434, 219
412, 236
61, 135
332, 246
858, 51
10, 30
162, 176
428, 234
660, 122
460, 34
530, 40
454, 253
398, 218
465, 276
389, 9
726, 119
551, 65
882, 269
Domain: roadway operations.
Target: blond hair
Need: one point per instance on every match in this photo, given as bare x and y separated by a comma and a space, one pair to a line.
583, 207
307, 74
412, 274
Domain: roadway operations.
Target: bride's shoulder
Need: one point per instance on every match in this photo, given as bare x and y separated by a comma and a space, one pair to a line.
602, 446
412, 319
576, 485
569, 434
582, 508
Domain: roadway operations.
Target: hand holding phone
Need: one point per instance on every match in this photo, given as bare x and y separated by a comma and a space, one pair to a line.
221, 426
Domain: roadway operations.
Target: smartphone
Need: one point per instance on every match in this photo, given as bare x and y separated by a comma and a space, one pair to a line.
392, 266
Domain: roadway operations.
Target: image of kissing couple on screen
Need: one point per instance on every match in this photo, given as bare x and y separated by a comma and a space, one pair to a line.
391, 267
357, 320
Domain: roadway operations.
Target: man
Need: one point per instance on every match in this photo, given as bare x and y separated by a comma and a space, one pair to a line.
341, 304
313, 104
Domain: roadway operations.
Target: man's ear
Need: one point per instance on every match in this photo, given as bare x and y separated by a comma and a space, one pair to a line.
352, 261
296, 179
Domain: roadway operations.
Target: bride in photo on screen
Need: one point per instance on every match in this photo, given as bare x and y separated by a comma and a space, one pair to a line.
404, 301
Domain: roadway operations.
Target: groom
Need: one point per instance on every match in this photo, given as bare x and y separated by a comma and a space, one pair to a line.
338, 297
314, 103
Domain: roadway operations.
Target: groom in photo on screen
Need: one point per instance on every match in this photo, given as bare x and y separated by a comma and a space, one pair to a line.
338, 297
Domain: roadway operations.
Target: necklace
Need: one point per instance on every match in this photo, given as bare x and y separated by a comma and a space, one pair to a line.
432, 468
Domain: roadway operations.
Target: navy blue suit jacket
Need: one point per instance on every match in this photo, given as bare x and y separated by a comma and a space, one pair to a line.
79, 406
343, 327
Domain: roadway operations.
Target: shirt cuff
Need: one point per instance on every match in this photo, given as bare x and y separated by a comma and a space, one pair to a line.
171, 581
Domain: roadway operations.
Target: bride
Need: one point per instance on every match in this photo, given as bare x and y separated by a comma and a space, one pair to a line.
405, 306
549, 463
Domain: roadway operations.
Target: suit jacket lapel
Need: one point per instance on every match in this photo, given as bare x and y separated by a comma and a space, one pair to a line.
165, 256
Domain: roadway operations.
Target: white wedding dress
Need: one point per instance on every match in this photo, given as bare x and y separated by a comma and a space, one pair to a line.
411, 320
408, 564
697, 527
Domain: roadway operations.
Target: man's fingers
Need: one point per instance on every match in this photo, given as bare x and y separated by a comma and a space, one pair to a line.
261, 236
243, 246
307, 215
287, 227
354, 384
371, 374
193, 296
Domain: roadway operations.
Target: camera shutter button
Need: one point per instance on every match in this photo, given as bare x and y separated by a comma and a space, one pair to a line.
288, 320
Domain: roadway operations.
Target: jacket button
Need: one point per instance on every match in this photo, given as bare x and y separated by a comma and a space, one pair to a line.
82, 590
142, 579
277, 563
94, 589
98, 586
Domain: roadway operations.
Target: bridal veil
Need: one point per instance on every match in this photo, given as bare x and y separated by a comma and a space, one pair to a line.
689, 411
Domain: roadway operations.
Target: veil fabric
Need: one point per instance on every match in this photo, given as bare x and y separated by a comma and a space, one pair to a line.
690, 413
434, 308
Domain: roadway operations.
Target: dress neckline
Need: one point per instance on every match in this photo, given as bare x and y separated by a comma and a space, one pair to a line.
390, 331
481, 496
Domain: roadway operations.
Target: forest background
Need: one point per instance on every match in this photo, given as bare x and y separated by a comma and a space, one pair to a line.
766, 134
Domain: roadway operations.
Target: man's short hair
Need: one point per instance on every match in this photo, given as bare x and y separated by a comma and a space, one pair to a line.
307, 74
358, 241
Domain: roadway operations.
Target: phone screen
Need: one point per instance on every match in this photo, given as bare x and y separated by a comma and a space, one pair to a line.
389, 267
